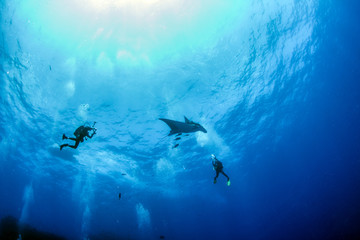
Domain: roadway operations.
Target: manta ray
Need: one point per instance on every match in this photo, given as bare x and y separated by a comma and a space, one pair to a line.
183, 127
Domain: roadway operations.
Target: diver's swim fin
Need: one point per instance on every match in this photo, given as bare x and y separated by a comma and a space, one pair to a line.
64, 137
228, 182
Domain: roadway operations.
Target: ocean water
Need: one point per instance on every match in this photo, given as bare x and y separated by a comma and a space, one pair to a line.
275, 83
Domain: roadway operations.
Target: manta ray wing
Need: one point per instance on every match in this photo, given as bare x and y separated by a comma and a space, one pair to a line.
177, 127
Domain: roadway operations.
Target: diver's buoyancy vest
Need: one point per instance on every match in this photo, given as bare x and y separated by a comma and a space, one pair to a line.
79, 131
218, 165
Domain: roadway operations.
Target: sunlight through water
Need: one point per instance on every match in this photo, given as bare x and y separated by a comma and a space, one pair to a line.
131, 31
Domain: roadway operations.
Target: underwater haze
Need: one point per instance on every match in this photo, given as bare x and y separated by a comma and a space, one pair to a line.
276, 84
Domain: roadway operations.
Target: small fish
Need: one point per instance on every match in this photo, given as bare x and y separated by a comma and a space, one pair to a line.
50, 67
178, 138
119, 196
186, 135
179, 134
123, 174
19, 46
176, 145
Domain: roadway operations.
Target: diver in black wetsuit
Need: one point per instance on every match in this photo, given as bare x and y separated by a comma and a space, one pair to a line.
218, 167
80, 133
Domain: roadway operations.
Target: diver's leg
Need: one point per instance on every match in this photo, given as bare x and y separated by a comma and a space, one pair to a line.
225, 175
64, 145
74, 139
217, 174
76, 144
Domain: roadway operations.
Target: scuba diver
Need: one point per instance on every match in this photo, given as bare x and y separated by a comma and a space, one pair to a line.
80, 133
218, 167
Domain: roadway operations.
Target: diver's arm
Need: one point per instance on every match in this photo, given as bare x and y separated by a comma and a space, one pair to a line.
94, 132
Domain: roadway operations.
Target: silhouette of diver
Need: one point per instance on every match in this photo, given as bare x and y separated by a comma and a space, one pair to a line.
80, 133
218, 167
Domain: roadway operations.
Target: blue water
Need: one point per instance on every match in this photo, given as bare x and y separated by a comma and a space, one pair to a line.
275, 83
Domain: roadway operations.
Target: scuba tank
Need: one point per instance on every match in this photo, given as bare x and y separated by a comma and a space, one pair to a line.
80, 131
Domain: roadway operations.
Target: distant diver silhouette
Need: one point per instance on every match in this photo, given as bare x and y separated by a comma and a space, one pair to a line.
80, 133
218, 167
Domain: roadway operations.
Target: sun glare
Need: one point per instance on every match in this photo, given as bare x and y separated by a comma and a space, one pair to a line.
131, 29
106, 5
